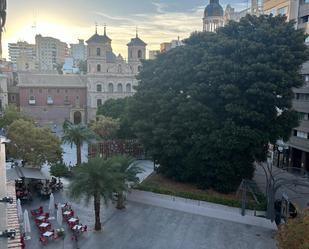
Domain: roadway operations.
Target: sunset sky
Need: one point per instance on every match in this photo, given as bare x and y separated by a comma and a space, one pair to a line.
68, 20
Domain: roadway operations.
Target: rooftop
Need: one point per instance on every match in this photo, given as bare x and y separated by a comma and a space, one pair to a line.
50, 80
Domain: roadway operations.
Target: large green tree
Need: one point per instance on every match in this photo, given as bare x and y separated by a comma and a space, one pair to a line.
206, 111
105, 127
96, 180
77, 135
118, 109
32, 144
11, 114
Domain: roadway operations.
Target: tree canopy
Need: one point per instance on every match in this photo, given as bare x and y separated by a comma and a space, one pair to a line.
207, 110
118, 109
34, 145
10, 114
105, 127
77, 135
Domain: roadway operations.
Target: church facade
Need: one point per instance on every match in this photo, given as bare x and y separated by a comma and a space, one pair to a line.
110, 76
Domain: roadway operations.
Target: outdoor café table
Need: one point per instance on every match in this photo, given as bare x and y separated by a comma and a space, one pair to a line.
44, 225
48, 234
72, 220
77, 227
67, 212
40, 218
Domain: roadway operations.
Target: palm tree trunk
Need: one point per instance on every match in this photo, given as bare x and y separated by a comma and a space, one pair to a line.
97, 206
78, 153
120, 201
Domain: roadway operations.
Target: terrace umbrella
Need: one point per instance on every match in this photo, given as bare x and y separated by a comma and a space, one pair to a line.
59, 215
51, 206
27, 227
19, 210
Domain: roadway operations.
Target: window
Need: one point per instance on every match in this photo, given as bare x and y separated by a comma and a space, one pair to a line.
128, 88
99, 102
119, 88
13, 98
139, 54
77, 97
110, 88
58, 90
303, 116
302, 96
31, 90
66, 99
306, 77
50, 100
282, 11
99, 88
32, 97
304, 19
139, 68
301, 134
98, 52
40, 90
49, 90
66, 91
98, 68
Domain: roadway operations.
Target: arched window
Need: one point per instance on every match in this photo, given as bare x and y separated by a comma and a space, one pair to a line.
119, 88
139, 54
98, 68
128, 88
110, 88
98, 52
99, 88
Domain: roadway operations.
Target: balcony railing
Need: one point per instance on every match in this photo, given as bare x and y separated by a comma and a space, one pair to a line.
67, 102
31, 101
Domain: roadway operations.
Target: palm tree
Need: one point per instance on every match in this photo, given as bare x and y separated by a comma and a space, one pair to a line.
76, 134
128, 171
96, 179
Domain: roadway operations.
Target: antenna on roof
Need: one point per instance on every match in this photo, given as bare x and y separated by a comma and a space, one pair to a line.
96, 27
105, 29
136, 32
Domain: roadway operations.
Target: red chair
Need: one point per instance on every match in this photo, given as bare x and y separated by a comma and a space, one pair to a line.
37, 222
84, 228
46, 215
43, 240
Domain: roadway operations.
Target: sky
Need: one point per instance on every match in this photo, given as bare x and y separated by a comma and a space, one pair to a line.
68, 20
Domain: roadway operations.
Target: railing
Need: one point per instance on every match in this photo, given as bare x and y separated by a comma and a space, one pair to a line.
31, 101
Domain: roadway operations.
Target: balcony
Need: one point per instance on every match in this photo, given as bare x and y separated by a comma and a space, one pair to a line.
50, 102
67, 102
31, 101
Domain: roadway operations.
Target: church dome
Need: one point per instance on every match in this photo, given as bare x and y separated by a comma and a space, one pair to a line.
213, 9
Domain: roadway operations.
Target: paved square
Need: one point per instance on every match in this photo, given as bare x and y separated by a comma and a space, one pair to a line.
143, 226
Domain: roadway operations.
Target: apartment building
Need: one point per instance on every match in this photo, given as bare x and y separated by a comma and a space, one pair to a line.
50, 52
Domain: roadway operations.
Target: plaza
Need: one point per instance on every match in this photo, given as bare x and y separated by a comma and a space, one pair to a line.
146, 226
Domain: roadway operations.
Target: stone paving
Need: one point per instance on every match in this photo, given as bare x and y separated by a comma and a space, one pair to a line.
143, 226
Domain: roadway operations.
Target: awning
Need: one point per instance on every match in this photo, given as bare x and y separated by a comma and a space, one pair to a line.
30, 173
